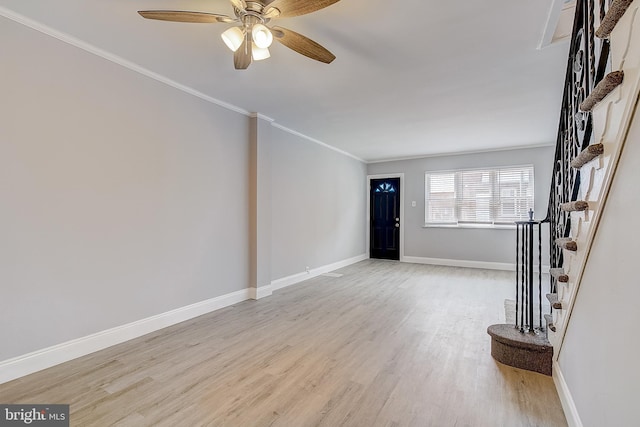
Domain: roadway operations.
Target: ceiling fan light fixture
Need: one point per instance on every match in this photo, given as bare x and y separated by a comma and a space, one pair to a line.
249, 37
259, 53
262, 37
233, 38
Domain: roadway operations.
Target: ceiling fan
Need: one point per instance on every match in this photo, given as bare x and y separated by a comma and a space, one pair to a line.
251, 38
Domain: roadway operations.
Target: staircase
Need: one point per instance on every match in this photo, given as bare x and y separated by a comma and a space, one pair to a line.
611, 107
599, 103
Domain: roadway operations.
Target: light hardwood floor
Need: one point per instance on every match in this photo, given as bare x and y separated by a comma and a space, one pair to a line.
387, 344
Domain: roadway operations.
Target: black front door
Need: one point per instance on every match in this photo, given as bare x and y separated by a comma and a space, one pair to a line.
385, 218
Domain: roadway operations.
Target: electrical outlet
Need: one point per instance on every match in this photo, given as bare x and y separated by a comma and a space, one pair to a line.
306, 269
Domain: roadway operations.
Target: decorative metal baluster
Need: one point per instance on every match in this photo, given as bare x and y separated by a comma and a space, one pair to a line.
540, 324
585, 68
523, 281
525, 276
530, 266
517, 271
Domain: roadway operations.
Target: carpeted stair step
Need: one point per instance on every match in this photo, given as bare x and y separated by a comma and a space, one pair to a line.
549, 319
553, 300
524, 350
575, 206
615, 12
567, 243
588, 154
604, 88
558, 274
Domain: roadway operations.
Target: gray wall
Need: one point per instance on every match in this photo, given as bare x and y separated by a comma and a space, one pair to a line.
464, 244
121, 197
599, 356
318, 202
124, 198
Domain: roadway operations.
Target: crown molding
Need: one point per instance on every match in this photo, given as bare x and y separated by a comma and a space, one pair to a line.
459, 153
69, 39
330, 147
88, 47
261, 117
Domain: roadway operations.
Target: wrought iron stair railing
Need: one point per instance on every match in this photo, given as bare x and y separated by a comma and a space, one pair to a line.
586, 66
597, 113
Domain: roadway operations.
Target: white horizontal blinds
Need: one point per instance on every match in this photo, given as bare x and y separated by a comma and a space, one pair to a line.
479, 196
441, 198
475, 205
514, 194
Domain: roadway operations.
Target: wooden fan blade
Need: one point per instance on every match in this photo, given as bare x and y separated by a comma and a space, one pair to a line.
184, 16
242, 56
302, 45
239, 4
290, 8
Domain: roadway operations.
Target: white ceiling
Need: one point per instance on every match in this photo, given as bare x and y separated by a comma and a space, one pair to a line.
411, 78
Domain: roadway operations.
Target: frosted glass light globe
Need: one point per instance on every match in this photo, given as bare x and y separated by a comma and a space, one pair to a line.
262, 37
233, 38
259, 53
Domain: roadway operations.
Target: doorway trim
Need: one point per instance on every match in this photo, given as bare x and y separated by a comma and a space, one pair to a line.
368, 218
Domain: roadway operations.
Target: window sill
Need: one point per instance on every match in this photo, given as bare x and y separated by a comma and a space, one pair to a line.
475, 226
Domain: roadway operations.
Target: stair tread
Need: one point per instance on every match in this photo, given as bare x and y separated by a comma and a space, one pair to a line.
511, 335
559, 275
567, 243
549, 319
554, 301
524, 350
575, 206
561, 240
615, 12
602, 89
588, 154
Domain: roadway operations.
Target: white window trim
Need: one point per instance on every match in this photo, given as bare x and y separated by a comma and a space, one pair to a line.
462, 225
471, 225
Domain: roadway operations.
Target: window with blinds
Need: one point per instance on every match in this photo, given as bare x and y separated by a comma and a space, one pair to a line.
479, 196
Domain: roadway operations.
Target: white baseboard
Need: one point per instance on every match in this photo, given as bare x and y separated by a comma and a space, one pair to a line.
314, 272
460, 263
41, 359
261, 292
468, 264
568, 405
